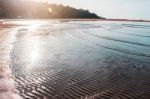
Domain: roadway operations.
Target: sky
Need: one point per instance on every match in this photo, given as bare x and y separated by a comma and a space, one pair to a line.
131, 9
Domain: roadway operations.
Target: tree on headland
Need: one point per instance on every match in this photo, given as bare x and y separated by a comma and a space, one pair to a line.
40, 9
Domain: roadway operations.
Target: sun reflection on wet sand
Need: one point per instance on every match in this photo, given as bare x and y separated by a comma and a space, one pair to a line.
34, 55
34, 52
53, 60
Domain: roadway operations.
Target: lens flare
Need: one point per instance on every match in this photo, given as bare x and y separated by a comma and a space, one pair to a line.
50, 10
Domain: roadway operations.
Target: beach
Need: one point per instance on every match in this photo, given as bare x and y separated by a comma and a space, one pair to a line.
76, 59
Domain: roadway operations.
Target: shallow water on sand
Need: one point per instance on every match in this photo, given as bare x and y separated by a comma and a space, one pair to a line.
81, 60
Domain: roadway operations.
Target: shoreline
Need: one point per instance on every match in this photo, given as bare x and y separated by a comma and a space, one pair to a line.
78, 19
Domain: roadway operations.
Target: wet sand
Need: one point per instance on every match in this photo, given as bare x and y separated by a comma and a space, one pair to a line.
81, 59
7, 87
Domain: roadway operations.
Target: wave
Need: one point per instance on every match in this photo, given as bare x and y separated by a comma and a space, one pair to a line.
123, 41
132, 34
111, 48
136, 26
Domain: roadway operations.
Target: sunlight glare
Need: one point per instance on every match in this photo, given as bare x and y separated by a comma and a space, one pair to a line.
34, 55
35, 51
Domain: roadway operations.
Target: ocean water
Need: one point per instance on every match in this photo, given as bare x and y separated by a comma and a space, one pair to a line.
65, 59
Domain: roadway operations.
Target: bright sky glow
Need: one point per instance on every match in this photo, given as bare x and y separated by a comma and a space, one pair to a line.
133, 9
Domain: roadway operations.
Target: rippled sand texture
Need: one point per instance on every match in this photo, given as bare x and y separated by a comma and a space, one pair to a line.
7, 87
82, 60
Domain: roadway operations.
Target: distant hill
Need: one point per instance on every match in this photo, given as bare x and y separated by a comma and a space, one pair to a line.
26, 9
